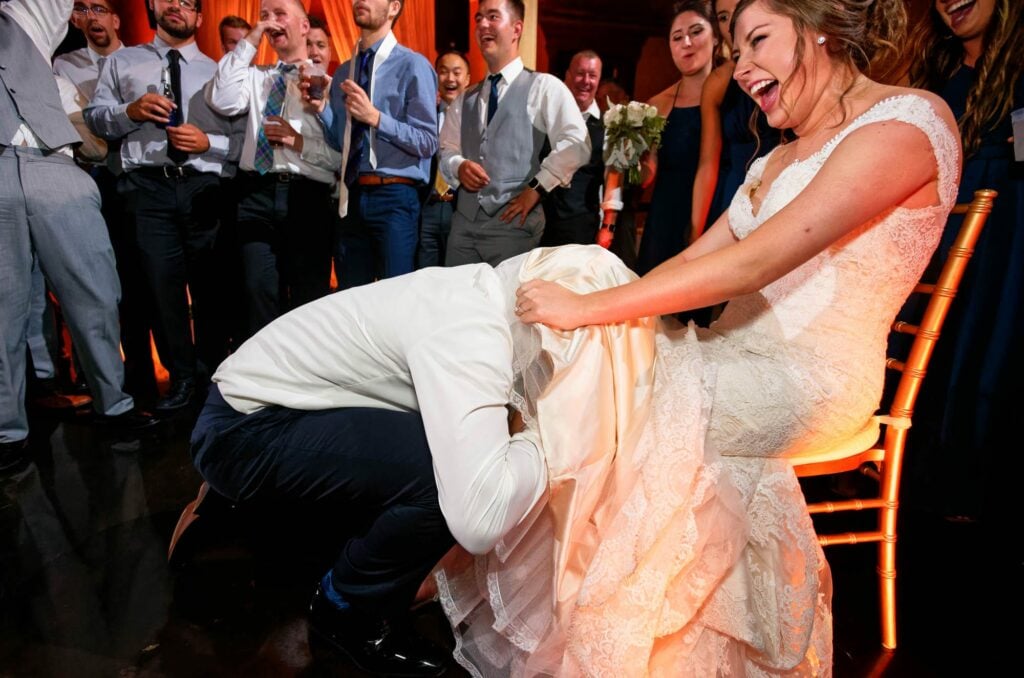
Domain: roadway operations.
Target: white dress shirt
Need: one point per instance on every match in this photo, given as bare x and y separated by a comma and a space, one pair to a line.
437, 341
552, 110
239, 87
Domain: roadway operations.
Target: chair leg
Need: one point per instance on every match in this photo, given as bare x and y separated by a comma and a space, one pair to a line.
887, 581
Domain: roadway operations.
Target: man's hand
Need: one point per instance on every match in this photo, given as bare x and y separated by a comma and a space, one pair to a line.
306, 82
605, 236
359, 105
280, 133
520, 206
151, 107
266, 27
473, 176
188, 138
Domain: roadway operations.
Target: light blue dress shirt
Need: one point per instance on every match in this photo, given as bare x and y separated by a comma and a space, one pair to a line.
130, 73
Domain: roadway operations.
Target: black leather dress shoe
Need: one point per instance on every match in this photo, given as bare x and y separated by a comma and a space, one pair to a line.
132, 420
13, 456
178, 396
374, 645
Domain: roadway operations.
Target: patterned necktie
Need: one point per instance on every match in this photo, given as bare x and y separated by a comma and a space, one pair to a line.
492, 100
355, 149
263, 160
175, 155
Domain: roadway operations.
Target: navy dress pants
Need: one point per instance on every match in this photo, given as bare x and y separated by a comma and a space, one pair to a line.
370, 469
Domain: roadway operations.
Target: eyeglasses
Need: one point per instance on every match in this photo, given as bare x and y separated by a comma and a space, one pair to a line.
187, 5
98, 11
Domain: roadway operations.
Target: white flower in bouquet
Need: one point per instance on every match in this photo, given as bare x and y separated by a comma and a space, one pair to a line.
629, 131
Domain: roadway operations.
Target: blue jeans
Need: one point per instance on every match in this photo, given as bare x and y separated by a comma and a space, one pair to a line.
378, 237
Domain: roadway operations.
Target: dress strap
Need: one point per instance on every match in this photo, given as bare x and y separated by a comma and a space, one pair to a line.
917, 111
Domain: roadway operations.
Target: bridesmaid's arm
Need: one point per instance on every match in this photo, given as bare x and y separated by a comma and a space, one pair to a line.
710, 146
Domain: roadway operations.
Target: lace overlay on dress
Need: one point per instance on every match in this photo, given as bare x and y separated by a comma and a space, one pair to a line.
698, 557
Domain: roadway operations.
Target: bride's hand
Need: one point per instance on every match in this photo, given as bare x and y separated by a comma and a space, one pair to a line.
542, 301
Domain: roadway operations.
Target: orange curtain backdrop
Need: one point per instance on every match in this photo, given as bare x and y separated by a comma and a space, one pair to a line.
415, 28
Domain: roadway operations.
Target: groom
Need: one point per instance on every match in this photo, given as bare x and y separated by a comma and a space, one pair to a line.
321, 405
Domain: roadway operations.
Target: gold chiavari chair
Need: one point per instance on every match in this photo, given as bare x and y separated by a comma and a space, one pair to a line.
877, 451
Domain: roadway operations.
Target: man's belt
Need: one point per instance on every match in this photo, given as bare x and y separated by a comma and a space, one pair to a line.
435, 197
378, 180
168, 171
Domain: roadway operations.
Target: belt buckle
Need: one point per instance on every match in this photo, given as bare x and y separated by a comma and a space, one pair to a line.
174, 171
285, 177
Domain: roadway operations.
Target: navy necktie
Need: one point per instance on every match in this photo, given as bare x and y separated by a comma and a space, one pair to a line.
177, 117
492, 101
355, 149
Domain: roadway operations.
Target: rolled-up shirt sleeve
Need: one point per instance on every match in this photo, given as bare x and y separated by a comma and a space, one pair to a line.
555, 112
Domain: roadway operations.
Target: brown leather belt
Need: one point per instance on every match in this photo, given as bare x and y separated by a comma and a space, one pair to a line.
378, 180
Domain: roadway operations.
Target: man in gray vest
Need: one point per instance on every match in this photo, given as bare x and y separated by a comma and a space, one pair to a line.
491, 145
51, 208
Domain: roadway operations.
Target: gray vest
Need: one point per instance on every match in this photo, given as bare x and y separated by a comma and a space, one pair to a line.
29, 91
509, 149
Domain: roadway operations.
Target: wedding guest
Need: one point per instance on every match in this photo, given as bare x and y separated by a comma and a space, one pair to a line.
572, 213
383, 118
62, 228
232, 29
693, 38
436, 216
727, 144
286, 170
492, 144
318, 42
174, 150
973, 56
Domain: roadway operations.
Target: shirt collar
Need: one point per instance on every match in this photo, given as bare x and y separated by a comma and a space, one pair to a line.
188, 52
593, 111
512, 70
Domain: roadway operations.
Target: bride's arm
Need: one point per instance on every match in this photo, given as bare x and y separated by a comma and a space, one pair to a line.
874, 169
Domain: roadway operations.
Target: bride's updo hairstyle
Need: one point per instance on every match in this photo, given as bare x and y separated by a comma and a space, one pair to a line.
858, 33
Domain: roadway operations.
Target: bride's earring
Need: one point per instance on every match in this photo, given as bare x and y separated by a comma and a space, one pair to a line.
821, 40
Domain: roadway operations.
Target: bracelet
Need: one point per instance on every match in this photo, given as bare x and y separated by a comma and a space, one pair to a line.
610, 227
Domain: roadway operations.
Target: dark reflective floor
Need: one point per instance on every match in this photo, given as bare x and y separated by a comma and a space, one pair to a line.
85, 588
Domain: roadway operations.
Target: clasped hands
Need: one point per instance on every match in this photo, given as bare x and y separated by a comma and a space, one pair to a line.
152, 107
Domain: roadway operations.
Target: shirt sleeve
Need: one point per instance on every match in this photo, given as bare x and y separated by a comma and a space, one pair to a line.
559, 117
107, 115
451, 142
45, 21
92, 149
487, 480
416, 133
231, 91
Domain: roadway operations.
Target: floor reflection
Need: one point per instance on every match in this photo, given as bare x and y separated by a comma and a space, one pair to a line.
86, 590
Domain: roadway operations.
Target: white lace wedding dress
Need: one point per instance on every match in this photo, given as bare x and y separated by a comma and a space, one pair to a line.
682, 546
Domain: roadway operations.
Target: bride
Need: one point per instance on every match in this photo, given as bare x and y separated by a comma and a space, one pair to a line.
674, 539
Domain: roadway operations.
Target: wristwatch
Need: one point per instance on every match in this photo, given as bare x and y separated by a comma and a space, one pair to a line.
535, 185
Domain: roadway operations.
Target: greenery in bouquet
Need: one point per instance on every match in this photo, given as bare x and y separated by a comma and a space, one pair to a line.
629, 131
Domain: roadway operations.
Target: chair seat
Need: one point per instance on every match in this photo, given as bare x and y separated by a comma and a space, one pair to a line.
844, 456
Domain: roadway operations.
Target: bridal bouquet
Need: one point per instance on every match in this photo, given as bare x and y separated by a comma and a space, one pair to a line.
629, 130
